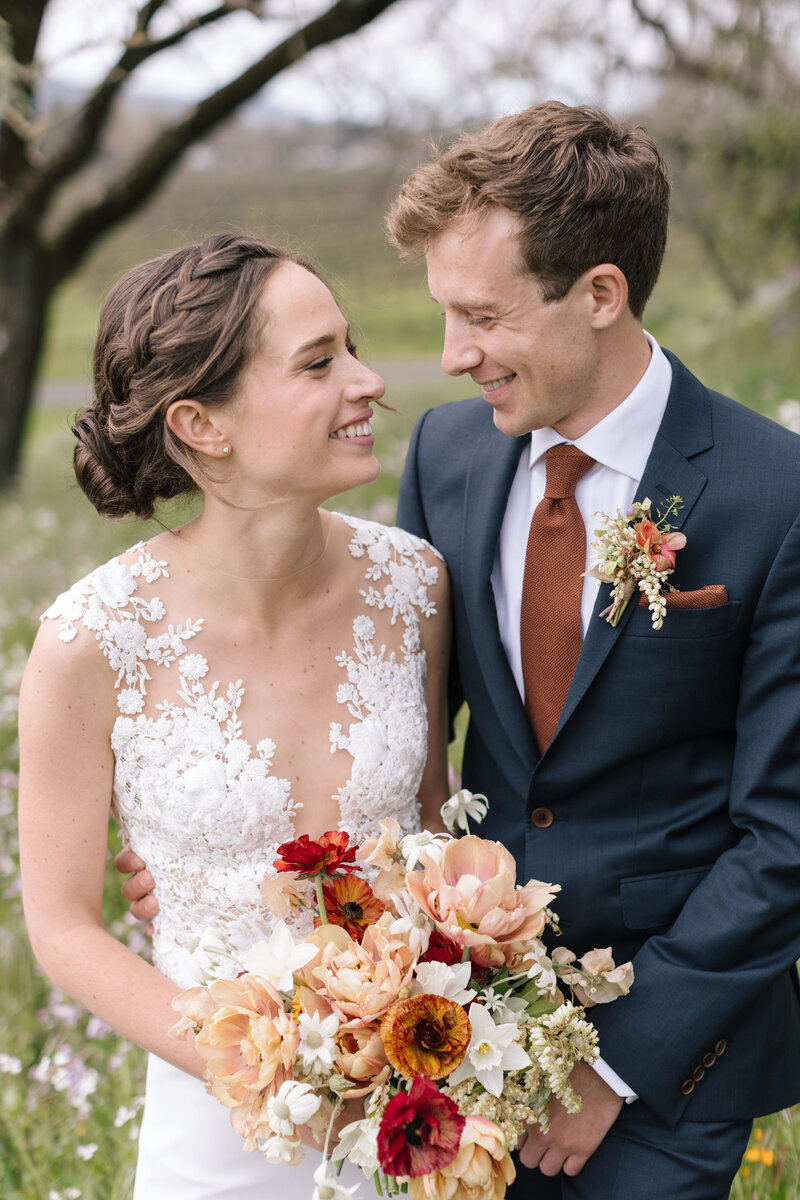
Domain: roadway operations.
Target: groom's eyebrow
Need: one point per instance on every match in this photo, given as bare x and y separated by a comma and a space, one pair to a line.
469, 304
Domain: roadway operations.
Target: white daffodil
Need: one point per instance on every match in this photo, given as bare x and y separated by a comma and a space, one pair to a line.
277, 960
462, 808
358, 1144
328, 1186
317, 1046
492, 1050
411, 920
292, 1105
413, 845
440, 979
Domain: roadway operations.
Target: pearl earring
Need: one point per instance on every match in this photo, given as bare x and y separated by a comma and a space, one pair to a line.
226, 449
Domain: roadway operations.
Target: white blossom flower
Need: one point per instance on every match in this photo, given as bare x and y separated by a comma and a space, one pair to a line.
328, 1186
440, 979
412, 921
293, 1105
87, 1151
541, 967
277, 960
317, 1046
463, 807
492, 1050
358, 1144
9, 1064
413, 844
284, 1150
124, 1115
208, 957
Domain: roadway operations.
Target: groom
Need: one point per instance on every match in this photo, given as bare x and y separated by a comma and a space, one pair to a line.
654, 773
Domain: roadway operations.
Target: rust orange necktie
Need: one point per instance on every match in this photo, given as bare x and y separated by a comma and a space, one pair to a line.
550, 621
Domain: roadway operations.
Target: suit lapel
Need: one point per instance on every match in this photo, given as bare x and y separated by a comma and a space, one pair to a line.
490, 475
685, 431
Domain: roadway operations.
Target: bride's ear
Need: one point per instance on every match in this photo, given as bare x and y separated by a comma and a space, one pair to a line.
197, 427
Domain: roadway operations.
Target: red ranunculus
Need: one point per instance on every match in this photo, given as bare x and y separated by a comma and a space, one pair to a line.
306, 857
420, 1131
441, 949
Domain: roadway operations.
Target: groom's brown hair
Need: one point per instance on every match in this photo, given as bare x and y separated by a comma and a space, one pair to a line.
584, 188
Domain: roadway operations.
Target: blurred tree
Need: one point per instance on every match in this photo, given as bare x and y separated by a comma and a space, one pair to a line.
48, 221
728, 117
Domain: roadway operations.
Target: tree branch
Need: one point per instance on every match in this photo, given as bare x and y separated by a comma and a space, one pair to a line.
124, 194
84, 135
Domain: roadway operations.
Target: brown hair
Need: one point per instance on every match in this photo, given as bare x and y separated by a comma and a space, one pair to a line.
183, 325
585, 189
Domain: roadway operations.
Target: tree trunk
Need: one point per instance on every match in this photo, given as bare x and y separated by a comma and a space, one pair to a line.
23, 304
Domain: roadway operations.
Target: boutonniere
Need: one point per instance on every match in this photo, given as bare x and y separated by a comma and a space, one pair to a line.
634, 552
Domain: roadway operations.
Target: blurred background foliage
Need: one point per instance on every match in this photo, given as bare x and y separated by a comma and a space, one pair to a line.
717, 82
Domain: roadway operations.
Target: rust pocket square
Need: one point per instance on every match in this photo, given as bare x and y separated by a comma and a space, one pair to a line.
707, 597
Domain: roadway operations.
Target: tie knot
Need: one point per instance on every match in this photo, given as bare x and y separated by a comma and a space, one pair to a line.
564, 465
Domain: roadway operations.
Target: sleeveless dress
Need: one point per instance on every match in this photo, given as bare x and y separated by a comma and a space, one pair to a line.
200, 805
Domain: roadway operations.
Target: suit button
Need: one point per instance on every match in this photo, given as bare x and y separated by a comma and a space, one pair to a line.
698, 1073
720, 1047
687, 1087
709, 1059
542, 817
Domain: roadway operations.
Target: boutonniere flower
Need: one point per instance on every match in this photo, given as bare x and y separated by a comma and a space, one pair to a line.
635, 552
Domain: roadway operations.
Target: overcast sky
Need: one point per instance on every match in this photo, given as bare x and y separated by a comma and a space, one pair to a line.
419, 53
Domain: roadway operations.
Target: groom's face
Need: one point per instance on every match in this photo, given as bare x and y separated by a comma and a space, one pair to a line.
534, 361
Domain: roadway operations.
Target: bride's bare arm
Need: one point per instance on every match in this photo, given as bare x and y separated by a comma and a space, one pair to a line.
66, 773
435, 633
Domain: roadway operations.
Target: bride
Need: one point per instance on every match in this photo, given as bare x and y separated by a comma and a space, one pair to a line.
268, 669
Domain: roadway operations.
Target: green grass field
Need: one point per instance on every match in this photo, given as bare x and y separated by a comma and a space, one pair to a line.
70, 1090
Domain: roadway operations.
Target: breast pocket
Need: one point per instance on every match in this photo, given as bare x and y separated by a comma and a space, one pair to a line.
654, 901
685, 622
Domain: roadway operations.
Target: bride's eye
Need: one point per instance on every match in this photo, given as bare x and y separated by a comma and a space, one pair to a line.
321, 364
352, 349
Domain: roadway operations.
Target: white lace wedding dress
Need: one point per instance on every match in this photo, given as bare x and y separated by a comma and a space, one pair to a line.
201, 807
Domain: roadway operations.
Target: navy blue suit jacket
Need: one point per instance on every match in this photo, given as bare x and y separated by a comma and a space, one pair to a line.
674, 773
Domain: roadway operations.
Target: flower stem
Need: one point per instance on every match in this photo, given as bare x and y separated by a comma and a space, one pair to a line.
323, 916
378, 1187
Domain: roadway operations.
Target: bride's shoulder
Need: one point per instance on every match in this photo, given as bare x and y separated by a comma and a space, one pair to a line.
380, 542
108, 592
411, 571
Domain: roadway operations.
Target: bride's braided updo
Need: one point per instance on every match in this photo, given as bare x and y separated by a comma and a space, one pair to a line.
181, 326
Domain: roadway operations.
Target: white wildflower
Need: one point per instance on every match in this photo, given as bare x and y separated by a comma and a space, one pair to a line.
463, 807
328, 1186
358, 1144
293, 1105
317, 1046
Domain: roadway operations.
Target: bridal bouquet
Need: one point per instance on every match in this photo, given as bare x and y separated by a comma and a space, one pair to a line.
423, 995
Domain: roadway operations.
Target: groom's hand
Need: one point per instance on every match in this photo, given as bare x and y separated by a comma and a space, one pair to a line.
138, 888
573, 1137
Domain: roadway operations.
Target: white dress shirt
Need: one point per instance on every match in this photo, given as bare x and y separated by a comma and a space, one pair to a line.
620, 444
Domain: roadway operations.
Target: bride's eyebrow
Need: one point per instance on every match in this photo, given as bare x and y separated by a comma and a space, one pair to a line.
318, 343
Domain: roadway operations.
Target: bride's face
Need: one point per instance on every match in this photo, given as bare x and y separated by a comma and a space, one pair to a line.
300, 422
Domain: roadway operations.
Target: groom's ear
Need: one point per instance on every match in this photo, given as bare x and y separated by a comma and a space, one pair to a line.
606, 293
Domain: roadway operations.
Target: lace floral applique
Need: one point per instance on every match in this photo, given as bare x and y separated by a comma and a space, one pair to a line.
385, 695
107, 604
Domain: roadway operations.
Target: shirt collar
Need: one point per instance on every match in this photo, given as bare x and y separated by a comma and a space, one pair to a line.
624, 438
